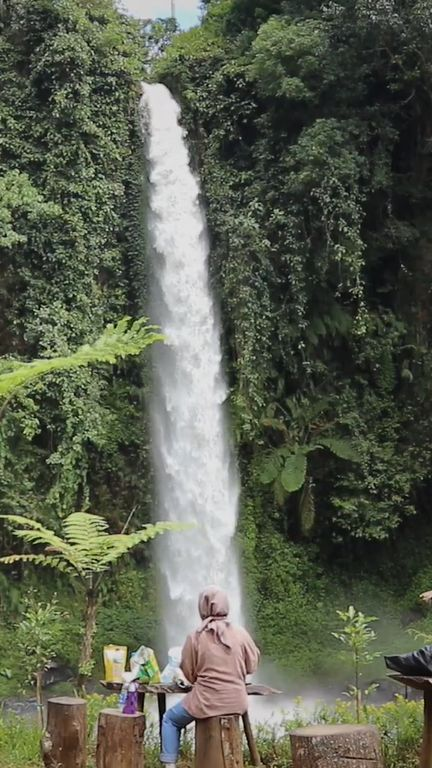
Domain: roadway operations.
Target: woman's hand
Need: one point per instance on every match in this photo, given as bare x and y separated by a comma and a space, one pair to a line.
426, 596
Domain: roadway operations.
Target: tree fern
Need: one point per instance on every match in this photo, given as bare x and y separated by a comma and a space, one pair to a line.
84, 551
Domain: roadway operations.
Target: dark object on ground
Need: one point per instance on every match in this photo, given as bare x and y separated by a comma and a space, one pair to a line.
57, 673
336, 746
415, 664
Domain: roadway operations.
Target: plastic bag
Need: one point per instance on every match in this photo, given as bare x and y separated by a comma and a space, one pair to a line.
144, 666
115, 657
415, 664
171, 673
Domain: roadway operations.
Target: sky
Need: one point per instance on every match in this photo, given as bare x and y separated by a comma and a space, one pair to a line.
186, 10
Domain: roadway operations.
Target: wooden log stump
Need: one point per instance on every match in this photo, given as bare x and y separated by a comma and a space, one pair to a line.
120, 740
64, 743
218, 743
336, 746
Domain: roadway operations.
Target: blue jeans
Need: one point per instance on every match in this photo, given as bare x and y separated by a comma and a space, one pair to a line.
174, 720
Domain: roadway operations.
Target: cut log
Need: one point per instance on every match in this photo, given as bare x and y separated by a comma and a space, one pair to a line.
218, 743
336, 746
64, 743
120, 740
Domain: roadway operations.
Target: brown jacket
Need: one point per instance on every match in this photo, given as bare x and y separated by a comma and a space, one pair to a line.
218, 673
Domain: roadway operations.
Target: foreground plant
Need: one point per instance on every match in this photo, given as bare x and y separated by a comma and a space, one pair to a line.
84, 552
37, 640
126, 338
357, 636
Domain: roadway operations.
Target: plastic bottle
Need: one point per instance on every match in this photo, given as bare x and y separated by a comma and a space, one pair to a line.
172, 668
131, 703
123, 697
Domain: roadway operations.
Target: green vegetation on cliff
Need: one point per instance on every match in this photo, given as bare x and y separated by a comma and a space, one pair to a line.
310, 125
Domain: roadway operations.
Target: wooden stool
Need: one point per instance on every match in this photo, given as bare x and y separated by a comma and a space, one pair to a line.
218, 742
120, 740
64, 743
336, 746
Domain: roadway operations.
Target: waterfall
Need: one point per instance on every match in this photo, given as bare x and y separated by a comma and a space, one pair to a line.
196, 474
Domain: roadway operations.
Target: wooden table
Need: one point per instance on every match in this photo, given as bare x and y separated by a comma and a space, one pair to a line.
161, 691
422, 684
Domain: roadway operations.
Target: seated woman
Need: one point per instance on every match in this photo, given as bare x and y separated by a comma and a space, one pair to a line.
216, 659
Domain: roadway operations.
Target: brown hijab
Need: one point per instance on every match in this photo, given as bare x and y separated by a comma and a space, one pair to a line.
213, 608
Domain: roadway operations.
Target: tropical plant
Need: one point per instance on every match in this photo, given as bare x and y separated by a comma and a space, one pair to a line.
37, 642
118, 341
303, 430
83, 551
356, 635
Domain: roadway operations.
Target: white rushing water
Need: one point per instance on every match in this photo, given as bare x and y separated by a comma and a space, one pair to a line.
196, 473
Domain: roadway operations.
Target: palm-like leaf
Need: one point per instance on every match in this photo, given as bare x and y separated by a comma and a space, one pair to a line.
294, 472
117, 342
340, 447
33, 532
86, 548
44, 560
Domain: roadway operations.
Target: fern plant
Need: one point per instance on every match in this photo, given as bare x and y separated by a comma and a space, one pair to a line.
118, 341
302, 431
83, 551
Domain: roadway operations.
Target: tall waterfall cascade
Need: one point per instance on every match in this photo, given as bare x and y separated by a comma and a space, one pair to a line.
196, 474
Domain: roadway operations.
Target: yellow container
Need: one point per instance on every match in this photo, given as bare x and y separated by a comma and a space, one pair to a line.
115, 657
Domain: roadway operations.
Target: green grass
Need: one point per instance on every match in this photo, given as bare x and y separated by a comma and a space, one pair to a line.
19, 743
399, 722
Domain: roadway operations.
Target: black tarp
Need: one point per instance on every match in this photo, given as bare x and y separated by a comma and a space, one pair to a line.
415, 664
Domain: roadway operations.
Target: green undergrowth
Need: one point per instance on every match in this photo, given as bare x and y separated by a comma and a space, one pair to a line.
293, 596
399, 723
128, 616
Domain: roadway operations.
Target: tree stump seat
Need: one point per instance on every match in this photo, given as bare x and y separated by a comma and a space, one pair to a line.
64, 742
336, 746
120, 740
218, 742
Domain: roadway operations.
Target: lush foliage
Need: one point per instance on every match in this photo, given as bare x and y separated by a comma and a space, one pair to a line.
70, 177
71, 255
310, 123
116, 342
37, 640
84, 551
311, 126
